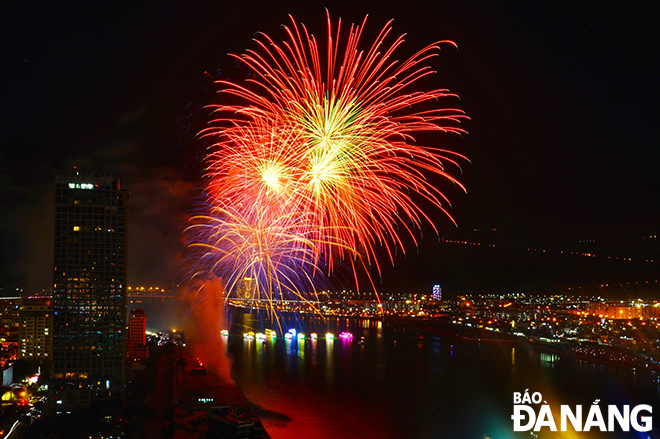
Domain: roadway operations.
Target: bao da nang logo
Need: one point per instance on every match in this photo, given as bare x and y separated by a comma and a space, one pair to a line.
531, 412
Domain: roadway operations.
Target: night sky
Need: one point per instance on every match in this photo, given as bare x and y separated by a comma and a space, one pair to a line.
563, 137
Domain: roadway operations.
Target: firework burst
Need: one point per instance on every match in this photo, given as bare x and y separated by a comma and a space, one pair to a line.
319, 159
251, 244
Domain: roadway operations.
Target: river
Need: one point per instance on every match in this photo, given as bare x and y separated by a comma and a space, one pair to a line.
392, 382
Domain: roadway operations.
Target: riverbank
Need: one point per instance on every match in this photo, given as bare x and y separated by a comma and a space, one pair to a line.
208, 405
599, 354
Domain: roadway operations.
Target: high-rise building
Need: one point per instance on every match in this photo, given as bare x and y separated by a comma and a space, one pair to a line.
35, 330
437, 292
246, 289
137, 335
89, 297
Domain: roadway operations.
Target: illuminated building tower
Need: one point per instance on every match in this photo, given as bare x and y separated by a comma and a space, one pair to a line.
246, 289
437, 292
137, 335
35, 330
89, 297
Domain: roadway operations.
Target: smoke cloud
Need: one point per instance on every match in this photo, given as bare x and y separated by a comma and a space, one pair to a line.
204, 320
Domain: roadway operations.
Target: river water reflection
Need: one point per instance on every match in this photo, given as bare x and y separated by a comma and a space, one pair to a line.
393, 382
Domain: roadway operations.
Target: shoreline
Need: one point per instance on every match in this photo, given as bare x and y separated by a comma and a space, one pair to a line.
455, 332
207, 401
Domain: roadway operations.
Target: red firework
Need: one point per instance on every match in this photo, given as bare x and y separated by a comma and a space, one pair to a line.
329, 136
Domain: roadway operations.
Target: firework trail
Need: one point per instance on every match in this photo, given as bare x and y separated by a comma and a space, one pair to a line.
318, 161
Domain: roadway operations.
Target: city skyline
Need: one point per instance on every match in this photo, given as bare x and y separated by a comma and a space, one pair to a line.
561, 142
437, 221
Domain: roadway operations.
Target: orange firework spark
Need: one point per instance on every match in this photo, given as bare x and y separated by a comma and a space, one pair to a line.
328, 137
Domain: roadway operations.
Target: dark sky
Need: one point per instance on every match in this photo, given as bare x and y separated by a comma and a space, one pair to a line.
563, 139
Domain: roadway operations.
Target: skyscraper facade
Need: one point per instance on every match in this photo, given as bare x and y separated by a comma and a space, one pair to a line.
89, 297
246, 289
137, 335
437, 292
35, 330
